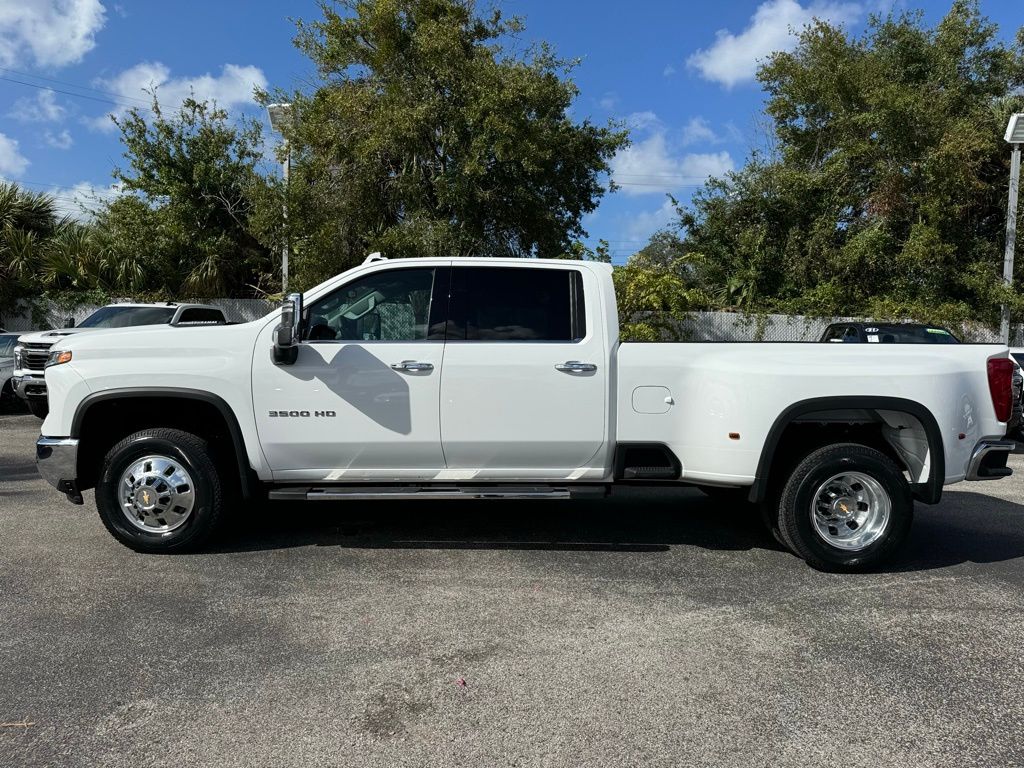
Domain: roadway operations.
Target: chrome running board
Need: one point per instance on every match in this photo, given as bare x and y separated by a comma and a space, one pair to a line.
440, 493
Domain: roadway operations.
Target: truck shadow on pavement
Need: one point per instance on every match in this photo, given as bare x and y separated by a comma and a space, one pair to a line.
626, 522
966, 528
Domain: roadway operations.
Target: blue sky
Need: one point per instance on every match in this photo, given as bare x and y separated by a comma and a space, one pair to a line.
679, 73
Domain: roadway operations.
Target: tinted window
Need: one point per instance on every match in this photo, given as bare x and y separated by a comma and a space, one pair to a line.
841, 333
7, 344
516, 304
909, 334
122, 317
201, 316
393, 305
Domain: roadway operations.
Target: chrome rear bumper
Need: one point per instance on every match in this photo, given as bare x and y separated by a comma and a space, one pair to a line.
988, 461
57, 461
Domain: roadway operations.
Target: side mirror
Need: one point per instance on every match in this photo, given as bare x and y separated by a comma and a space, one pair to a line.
69, 323
288, 333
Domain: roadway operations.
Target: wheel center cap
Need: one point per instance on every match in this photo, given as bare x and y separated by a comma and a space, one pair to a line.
145, 498
844, 507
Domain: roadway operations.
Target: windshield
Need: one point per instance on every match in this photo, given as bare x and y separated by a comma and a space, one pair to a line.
7, 342
124, 316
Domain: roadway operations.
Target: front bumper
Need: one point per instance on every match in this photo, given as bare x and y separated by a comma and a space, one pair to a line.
57, 461
988, 461
29, 387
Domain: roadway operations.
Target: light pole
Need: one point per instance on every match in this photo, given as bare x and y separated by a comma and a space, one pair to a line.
1015, 136
281, 121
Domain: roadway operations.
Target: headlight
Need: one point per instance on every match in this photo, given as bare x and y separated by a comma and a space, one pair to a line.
17, 357
59, 357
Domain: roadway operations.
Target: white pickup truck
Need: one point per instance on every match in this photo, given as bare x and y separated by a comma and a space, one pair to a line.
489, 378
33, 349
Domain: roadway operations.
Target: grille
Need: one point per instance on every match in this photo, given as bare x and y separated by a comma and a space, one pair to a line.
33, 356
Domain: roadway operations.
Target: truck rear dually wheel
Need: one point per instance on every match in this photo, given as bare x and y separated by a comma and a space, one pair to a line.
160, 491
845, 507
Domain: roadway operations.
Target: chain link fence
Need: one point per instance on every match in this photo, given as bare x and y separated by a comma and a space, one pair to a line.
45, 316
737, 327
695, 326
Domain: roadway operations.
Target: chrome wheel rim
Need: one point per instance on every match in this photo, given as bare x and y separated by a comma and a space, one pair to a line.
156, 494
850, 511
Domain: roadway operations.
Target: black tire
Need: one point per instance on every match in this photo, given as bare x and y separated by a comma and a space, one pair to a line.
39, 408
10, 401
794, 509
194, 455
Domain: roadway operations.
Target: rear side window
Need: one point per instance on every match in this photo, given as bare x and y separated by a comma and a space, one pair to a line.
516, 304
200, 316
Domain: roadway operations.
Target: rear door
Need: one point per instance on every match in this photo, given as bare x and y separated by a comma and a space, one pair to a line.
525, 375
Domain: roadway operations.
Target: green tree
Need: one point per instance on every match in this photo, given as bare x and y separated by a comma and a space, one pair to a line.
427, 137
886, 193
184, 225
42, 253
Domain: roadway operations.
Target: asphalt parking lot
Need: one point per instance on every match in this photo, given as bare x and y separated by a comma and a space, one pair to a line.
647, 629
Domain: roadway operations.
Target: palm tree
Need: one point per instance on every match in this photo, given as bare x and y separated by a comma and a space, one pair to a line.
40, 250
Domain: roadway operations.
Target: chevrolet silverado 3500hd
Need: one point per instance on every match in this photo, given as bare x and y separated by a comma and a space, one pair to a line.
488, 378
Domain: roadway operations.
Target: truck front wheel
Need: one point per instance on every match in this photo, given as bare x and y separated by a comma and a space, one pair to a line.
159, 491
846, 507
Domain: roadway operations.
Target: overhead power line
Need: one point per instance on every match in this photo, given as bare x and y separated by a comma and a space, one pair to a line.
72, 85
70, 93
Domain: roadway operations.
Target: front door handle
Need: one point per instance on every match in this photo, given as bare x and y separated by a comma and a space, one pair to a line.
575, 366
412, 365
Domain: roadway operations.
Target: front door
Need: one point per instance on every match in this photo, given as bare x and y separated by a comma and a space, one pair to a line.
523, 388
360, 402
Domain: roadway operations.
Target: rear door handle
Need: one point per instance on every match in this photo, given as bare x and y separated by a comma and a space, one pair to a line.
575, 366
412, 365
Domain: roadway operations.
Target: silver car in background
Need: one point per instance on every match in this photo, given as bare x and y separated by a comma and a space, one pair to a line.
8, 399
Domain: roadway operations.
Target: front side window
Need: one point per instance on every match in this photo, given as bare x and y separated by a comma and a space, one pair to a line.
392, 305
516, 304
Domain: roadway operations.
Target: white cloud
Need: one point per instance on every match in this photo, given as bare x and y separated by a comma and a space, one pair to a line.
60, 140
81, 200
641, 121
699, 131
608, 101
232, 88
733, 59
42, 109
656, 165
641, 226
12, 162
53, 33
668, 71
702, 166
